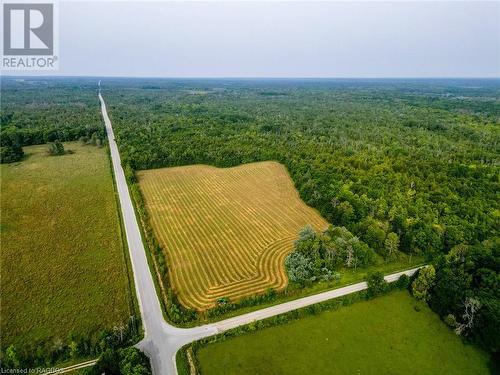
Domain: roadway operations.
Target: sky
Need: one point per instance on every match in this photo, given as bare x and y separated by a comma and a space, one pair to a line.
279, 39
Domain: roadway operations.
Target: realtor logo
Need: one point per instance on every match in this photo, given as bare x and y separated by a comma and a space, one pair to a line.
28, 29
28, 36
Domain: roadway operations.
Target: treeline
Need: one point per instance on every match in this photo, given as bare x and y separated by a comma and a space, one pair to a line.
42, 111
125, 361
46, 353
371, 157
463, 287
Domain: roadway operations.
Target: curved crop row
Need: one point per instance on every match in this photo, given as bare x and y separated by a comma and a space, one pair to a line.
227, 231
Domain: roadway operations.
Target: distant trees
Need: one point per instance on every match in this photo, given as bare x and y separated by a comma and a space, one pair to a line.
362, 158
37, 114
95, 139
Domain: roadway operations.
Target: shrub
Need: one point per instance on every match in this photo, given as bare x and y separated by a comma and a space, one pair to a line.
376, 284
11, 153
403, 282
451, 321
56, 148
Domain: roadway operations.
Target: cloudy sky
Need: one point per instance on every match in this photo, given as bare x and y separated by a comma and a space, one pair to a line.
280, 39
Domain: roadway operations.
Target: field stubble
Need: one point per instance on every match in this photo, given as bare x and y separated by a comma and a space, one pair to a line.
226, 231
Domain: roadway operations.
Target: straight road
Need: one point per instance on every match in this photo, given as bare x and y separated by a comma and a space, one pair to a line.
301, 302
162, 340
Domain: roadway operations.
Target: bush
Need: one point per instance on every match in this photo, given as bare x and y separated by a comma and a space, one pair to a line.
10, 154
56, 148
403, 282
376, 284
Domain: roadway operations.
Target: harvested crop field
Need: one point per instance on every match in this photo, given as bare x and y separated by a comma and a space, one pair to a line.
226, 231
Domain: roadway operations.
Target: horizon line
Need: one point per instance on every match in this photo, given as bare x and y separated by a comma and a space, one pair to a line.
251, 77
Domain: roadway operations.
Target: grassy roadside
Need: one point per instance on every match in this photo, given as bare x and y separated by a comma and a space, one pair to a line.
293, 293
133, 302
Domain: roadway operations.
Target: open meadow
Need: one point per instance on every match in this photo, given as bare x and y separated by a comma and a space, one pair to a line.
63, 265
226, 231
387, 335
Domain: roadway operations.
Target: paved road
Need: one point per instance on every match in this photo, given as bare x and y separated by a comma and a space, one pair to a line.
162, 340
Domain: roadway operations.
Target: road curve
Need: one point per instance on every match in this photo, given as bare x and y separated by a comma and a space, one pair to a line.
162, 340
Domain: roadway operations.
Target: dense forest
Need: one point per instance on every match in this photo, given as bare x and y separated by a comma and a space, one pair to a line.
37, 111
417, 158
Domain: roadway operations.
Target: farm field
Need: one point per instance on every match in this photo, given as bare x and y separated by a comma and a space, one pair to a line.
386, 335
63, 260
226, 231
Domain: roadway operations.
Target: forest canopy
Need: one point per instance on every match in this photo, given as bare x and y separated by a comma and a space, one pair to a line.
37, 111
406, 166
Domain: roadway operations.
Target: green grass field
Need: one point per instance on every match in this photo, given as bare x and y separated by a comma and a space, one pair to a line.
382, 336
63, 264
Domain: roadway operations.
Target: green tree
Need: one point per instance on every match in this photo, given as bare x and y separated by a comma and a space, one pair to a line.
375, 237
56, 148
299, 267
391, 245
376, 284
11, 358
423, 283
126, 361
11, 153
108, 363
134, 362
